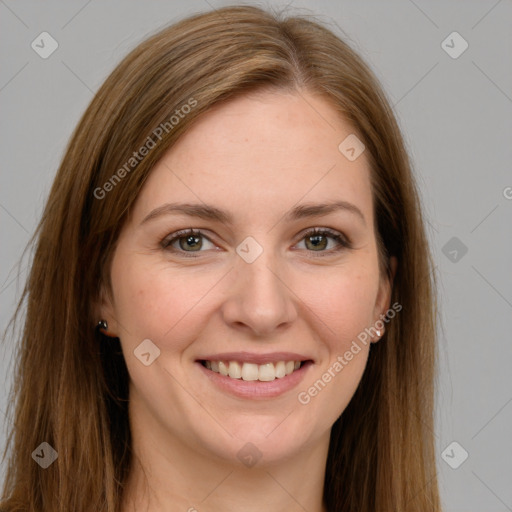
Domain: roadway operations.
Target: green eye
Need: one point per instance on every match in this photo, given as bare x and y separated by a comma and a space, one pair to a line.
189, 241
317, 240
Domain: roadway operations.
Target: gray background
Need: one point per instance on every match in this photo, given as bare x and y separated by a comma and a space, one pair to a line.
456, 115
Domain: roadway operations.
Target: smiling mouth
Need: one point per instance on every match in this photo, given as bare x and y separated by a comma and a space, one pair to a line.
254, 372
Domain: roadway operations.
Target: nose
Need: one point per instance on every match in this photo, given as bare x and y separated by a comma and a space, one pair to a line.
259, 300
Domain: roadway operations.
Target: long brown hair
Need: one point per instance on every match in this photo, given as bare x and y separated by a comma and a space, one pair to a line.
71, 387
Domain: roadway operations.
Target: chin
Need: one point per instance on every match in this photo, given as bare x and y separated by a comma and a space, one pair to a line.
262, 441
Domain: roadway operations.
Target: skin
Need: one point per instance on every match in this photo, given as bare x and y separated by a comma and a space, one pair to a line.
256, 156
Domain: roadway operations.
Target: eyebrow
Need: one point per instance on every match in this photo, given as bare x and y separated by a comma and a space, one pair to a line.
207, 212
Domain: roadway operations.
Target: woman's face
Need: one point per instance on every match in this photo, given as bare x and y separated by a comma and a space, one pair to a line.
253, 289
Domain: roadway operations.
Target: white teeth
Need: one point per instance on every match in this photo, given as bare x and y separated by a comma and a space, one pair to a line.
223, 369
266, 372
235, 370
280, 370
250, 371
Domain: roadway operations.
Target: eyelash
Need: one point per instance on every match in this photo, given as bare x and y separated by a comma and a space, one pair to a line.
343, 242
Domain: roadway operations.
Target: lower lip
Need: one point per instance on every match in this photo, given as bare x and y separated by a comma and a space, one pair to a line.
256, 389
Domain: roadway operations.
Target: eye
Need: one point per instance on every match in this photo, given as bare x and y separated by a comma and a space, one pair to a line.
189, 241
186, 241
317, 240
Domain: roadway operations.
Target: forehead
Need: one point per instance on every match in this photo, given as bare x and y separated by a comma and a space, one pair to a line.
262, 152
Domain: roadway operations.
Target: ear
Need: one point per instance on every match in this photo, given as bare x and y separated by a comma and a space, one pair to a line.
383, 301
104, 310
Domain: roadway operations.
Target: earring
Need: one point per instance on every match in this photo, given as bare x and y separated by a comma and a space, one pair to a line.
378, 332
102, 326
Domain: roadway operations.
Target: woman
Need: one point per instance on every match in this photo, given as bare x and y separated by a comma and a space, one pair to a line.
230, 304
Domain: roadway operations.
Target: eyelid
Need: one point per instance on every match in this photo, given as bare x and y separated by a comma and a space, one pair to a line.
341, 239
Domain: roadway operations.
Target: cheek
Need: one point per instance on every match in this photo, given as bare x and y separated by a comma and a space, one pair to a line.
343, 307
344, 301
155, 302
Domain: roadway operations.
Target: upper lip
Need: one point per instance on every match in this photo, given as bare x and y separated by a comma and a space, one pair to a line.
251, 357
